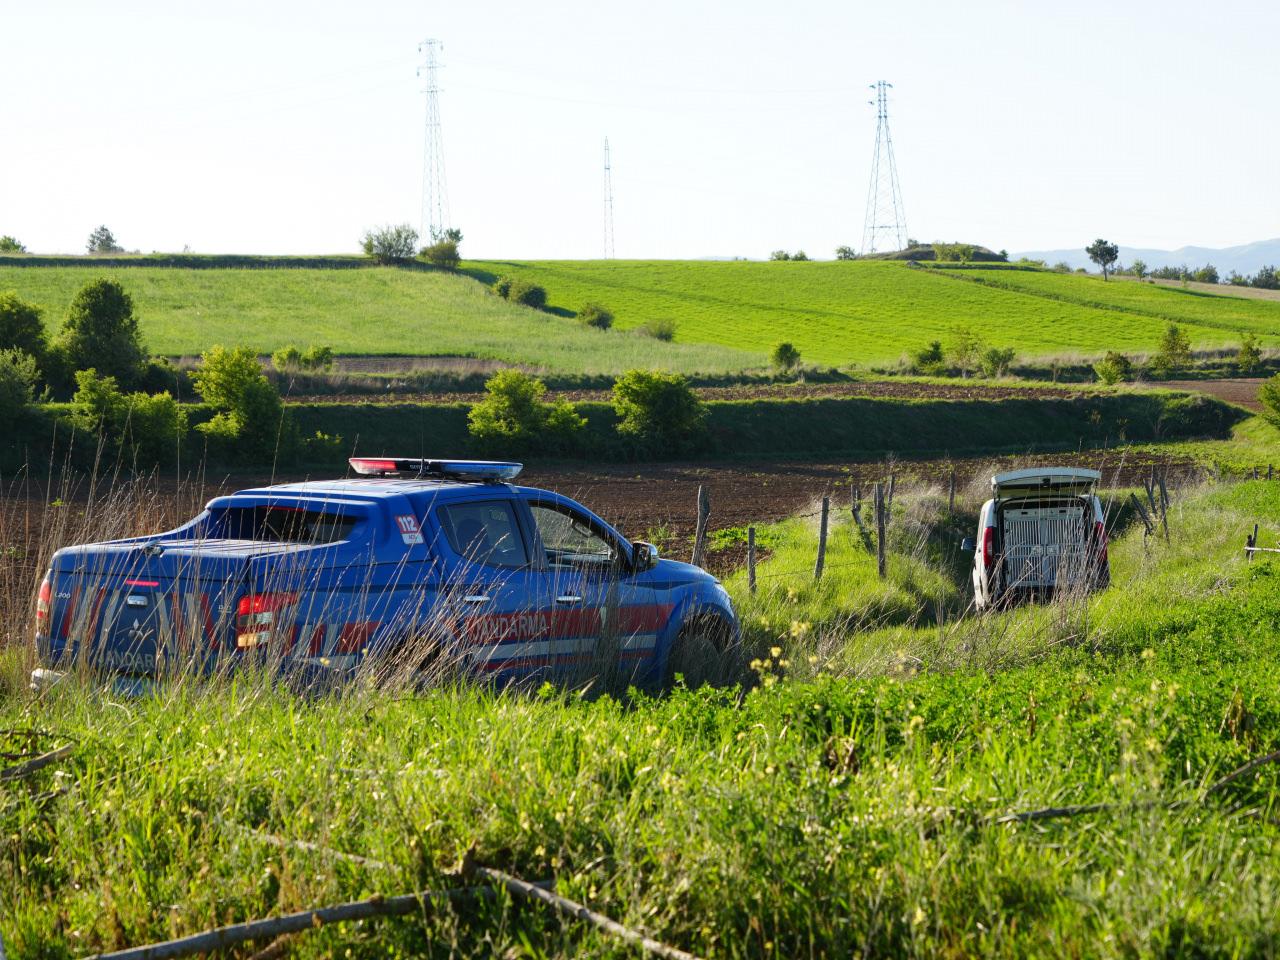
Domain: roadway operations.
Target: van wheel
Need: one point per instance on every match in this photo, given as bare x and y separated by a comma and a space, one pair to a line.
698, 652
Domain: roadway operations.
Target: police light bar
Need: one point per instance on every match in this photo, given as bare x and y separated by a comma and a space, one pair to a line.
483, 471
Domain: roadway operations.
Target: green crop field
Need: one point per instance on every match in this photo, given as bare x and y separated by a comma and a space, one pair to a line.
375, 310
874, 311
860, 798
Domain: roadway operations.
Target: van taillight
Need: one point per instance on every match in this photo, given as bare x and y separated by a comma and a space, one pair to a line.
1100, 537
258, 615
989, 547
43, 597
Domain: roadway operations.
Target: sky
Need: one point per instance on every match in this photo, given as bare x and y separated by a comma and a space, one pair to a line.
736, 127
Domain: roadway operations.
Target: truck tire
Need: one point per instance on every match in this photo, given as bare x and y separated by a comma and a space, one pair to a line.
698, 652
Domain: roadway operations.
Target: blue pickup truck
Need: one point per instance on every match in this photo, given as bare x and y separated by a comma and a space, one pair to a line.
409, 567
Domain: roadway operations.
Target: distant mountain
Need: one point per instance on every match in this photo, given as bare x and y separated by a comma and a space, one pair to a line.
1245, 259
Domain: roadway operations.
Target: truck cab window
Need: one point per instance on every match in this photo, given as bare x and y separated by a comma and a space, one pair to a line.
570, 541
485, 533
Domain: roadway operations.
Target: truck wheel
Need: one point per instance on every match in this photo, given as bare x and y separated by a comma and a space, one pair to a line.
698, 652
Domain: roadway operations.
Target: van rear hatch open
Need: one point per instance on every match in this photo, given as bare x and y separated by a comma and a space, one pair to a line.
1047, 526
127, 604
1062, 481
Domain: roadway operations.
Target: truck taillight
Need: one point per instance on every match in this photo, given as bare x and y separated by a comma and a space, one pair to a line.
258, 615
43, 597
989, 548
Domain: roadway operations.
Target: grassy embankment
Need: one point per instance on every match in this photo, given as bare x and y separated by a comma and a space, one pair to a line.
848, 807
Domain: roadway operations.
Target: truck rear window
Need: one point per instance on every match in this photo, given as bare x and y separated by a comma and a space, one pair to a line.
282, 525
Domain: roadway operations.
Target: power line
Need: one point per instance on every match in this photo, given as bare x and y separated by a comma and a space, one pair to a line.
886, 218
435, 195
608, 203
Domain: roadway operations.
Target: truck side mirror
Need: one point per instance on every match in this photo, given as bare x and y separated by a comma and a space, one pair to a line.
644, 556
967, 545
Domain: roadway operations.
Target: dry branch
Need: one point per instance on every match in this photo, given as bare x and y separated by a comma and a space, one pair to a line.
1239, 772
31, 766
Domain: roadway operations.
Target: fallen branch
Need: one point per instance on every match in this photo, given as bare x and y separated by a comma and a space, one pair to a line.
223, 937
31, 766
1053, 813
570, 908
1239, 772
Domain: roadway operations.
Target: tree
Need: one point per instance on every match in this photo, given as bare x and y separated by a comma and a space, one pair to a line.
1235, 279
595, 315
1206, 274
20, 326
1139, 269
964, 350
1103, 254
785, 356
149, 427
846, 253
249, 415
17, 384
443, 254
1174, 352
657, 408
390, 244
102, 240
1269, 397
10, 244
1267, 278
779, 255
799, 255
995, 361
1249, 358
513, 414
102, 332
928, 360
1113, 368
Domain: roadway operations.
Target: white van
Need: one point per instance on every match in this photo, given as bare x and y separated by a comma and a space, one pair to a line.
1042, 531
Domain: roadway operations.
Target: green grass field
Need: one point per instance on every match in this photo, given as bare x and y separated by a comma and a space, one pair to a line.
849, 804
728, 316
873, 312
360, 311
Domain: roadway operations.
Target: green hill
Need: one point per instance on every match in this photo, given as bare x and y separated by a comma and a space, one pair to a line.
728, 315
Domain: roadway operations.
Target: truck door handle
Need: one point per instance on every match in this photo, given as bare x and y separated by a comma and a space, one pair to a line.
568, 598
475, 598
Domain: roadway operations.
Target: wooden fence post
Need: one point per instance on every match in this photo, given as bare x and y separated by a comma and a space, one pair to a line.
893, 482
951, 496
751, 559
880, 524
1269, 469
700, 531
1255, 473
822, 539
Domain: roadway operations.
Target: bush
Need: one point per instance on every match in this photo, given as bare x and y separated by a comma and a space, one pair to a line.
1174, 352
659, 409
101, 332
1269, 397
995, 361
145, 427
964, 350
10, 244
513, 416
249, 414
390, 244
1061, 267
1113, 368
595, 315
800, 255
779, 255
1249, 357
18, 375
663, 329
443, 254
318, 359
502, 287
929, 360
785, 356
846, 253
527, 293
20, 326
287, 359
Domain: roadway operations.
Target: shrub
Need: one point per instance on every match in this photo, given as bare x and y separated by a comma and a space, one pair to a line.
390, 244
964, 350
317, 359
147, 427
527, 293
595, 315
995, 361
1249, 357
929, 360
443, 254
20, 326
952, 251
1061, 267
514, 416
1269, 397
784, 357
664, 328
1174, 352
102, 240
287, 359
17, 383
799, 255
502, 287
1113, 368
101, 332
657, 408
846, 253
248, 408
10, 244
779, 255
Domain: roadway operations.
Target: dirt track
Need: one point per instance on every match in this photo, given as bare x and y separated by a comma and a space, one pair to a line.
1243, 391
